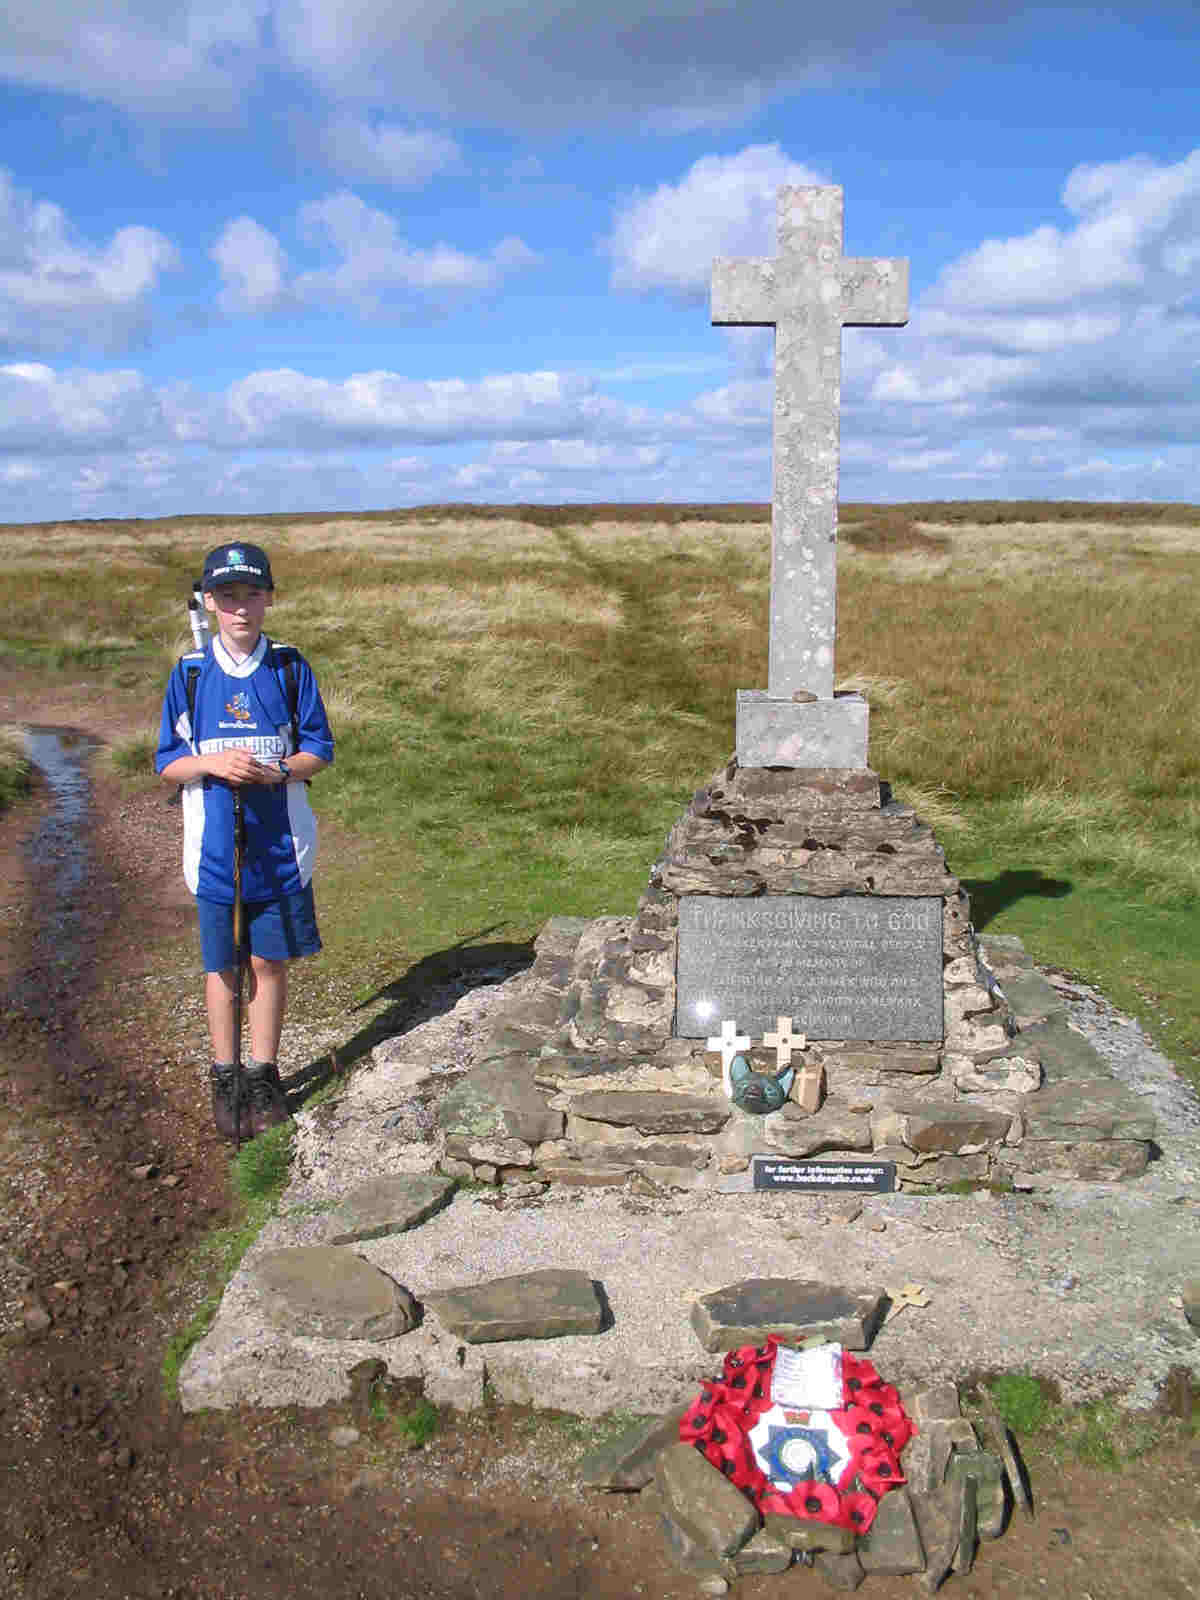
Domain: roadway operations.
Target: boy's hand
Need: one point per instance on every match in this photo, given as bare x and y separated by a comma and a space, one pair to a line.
239, 767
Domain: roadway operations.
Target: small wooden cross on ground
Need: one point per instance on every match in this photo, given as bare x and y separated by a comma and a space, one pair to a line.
729, 1042
783, 1041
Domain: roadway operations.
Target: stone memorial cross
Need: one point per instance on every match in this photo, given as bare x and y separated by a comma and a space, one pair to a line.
808, 292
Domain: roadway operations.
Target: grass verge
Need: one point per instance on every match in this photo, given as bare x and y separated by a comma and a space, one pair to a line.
259, 1174
16, 774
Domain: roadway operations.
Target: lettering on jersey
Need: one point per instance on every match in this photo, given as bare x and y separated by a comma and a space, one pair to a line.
268, 746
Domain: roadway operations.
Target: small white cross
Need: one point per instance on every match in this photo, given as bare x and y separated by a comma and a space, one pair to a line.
783, 1041
729, 1042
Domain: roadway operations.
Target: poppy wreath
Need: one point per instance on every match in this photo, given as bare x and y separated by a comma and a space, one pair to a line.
792, 1460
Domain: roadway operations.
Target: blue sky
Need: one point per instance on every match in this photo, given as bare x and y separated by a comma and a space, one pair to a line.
305, 255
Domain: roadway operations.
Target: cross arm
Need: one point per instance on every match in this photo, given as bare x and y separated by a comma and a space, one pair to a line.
874, 292
743, 292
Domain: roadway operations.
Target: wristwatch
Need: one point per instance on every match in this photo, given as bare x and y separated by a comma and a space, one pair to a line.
284, 769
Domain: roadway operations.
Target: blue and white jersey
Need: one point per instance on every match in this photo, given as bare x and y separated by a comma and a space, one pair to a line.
244, 705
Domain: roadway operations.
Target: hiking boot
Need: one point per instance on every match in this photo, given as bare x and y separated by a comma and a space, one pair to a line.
222, 1103
268, 1104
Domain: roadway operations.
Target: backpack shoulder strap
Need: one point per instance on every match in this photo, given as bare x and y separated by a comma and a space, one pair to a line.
283, 659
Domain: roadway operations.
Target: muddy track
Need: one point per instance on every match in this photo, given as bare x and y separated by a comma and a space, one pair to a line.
110, 1174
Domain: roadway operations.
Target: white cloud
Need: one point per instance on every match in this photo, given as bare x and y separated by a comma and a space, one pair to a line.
385, 152
380, 273
58, 289
723, 206
253, 267
661, 64
49, 412
172, 60
287, 408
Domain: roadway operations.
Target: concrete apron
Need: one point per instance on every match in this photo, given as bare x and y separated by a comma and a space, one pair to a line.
1080, 1284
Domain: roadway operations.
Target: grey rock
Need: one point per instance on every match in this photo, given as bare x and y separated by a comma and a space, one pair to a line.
792, 1132
651, 1112
892, 1546
938, 1126
1031, 999
683, 1548
323, 1292
987, 1473
389, 1205
1077, 1111
344, 1436
939, 1516
584, 1174
766, 1553
794, 1308
499, 1100
802, 1533
968, 1522
937, 1404
627, 1462
1063, 1053
839, 1571
703, 1502
1091, 1161
530, 1305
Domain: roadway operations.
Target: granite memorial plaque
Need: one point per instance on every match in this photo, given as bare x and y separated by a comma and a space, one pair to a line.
824, 1177
843, 967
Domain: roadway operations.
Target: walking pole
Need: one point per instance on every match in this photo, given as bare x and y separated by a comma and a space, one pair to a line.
239, 937
197, 621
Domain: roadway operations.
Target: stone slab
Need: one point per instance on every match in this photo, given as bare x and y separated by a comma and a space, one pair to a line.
855, 967
549, 1304
628, 1461
389, 1205
987, 1472
703, 1501
1098, 1109
795, 1309
325, 1292
788, 733
684, 1550
892, 1547
1062, 1051
653, 1113
766, 1553
835, 1127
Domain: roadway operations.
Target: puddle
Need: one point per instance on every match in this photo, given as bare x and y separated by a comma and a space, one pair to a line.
59, 854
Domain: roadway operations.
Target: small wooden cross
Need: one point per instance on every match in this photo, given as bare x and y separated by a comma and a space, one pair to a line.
912, 1294
783, 1041
729, 1042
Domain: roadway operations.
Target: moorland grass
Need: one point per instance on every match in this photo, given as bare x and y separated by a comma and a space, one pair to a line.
15, 770
524, 698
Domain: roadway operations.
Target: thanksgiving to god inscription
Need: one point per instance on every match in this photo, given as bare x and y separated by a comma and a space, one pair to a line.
854, 967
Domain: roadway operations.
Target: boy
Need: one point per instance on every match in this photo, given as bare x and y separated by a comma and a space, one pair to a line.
246, 714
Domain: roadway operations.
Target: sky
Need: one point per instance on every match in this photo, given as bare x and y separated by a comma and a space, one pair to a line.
333, 255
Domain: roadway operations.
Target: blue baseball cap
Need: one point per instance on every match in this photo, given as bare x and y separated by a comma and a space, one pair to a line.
237, 563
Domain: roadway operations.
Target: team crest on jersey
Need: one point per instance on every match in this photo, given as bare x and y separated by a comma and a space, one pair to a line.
239, 707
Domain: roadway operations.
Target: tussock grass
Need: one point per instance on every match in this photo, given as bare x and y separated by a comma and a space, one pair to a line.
525, 696
16, 773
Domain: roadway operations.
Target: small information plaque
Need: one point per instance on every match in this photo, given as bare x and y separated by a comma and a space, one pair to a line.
825, 1177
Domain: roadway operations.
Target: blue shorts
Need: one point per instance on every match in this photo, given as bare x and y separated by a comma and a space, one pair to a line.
277, 930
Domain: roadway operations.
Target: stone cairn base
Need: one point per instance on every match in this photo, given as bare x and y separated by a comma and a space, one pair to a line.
582, 1081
